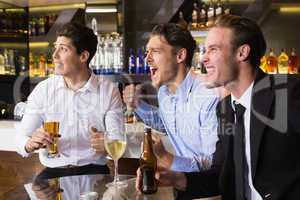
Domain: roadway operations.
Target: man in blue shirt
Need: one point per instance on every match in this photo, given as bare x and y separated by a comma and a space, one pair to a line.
186, 109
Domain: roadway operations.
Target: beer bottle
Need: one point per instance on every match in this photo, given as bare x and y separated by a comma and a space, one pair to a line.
148, 165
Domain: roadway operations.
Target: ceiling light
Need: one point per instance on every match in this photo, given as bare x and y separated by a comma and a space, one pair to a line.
295, 9
101, 9
56, 7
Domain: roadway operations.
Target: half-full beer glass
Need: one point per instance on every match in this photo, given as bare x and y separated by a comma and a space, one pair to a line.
53, 129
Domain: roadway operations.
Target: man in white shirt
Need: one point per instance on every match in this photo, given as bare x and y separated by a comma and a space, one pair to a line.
85, 105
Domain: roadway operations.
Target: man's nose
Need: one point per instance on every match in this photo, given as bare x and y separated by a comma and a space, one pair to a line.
55, 54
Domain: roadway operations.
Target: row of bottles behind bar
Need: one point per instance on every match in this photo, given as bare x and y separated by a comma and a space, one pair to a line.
40, 65
284, 63
204, 15
109, 57
41, 25
13, 22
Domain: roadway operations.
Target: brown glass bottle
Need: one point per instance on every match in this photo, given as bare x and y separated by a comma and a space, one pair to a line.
293, 63
272, 63
148, 165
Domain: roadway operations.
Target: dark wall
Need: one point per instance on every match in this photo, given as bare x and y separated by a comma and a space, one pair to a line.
282, 31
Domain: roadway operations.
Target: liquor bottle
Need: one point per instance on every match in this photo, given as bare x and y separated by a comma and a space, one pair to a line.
50, 69
2, 62
203, 16
22, 65
181, 21
263, 63
131, 62
226, 8
36, 69
146, 65
31, 65
210, 14
218, 9
139, 62
271, 62
42, 66
293, 63
41, 23
148, 165
6, 62
195, 14
283, 62
11, 62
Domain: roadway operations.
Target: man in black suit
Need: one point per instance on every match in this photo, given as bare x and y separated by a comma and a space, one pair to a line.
259, 124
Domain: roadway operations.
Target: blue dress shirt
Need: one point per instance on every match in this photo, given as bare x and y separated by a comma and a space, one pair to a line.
189, 119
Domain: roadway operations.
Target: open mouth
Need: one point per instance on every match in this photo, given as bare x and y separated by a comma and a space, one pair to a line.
153, 71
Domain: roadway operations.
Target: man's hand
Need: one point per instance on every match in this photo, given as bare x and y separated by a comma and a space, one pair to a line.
131, 95
39, 139
165, 178
97, 141
164, 158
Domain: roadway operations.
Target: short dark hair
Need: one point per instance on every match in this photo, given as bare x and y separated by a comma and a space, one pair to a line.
245, 31
82, 37
177, 37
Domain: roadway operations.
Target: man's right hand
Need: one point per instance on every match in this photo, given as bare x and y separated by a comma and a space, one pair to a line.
131, 95
39, 139
164, 177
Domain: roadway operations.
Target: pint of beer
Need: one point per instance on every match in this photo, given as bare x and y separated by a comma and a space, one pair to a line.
53, 129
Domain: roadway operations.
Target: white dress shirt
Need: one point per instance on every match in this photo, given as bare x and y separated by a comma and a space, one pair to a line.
98, 103
245, 100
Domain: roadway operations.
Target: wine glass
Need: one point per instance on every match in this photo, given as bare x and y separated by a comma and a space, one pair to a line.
115, 145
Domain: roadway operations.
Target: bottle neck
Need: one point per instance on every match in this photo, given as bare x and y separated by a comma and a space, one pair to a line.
147, 145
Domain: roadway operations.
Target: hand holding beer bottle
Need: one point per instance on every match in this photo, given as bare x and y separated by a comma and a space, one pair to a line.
148, 165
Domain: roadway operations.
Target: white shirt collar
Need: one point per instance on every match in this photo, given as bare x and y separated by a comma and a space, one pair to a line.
90, 85
245, 99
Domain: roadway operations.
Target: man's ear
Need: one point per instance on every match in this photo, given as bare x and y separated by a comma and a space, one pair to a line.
181, 55
243, 52
84, 56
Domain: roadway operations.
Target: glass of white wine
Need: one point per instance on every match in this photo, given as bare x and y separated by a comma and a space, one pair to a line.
115, 145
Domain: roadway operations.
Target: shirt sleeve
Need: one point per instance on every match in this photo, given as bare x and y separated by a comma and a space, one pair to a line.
150, 115
184, 164
114, 119
208, 130
32, 119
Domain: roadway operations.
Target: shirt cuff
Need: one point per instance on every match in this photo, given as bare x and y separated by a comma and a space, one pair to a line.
184, 164
21, 148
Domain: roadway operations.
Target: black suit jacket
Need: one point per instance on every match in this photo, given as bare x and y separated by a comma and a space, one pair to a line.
274, 142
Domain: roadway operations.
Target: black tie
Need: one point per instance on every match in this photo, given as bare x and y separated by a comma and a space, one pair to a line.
239, 151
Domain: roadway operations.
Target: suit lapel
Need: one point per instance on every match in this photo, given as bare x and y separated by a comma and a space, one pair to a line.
262, 98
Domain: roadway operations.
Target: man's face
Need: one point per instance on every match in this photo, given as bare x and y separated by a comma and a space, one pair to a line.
219, 58
65, 57
161, 58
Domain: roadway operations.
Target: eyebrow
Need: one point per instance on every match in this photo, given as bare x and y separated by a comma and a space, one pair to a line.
60, 44
153, 48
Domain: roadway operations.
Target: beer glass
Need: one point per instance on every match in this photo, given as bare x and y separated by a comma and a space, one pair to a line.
52, 128
115, 145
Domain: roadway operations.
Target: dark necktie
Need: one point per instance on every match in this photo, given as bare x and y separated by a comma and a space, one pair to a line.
239, 151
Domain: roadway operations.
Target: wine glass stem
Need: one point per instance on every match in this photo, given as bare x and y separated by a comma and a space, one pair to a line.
116, 178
